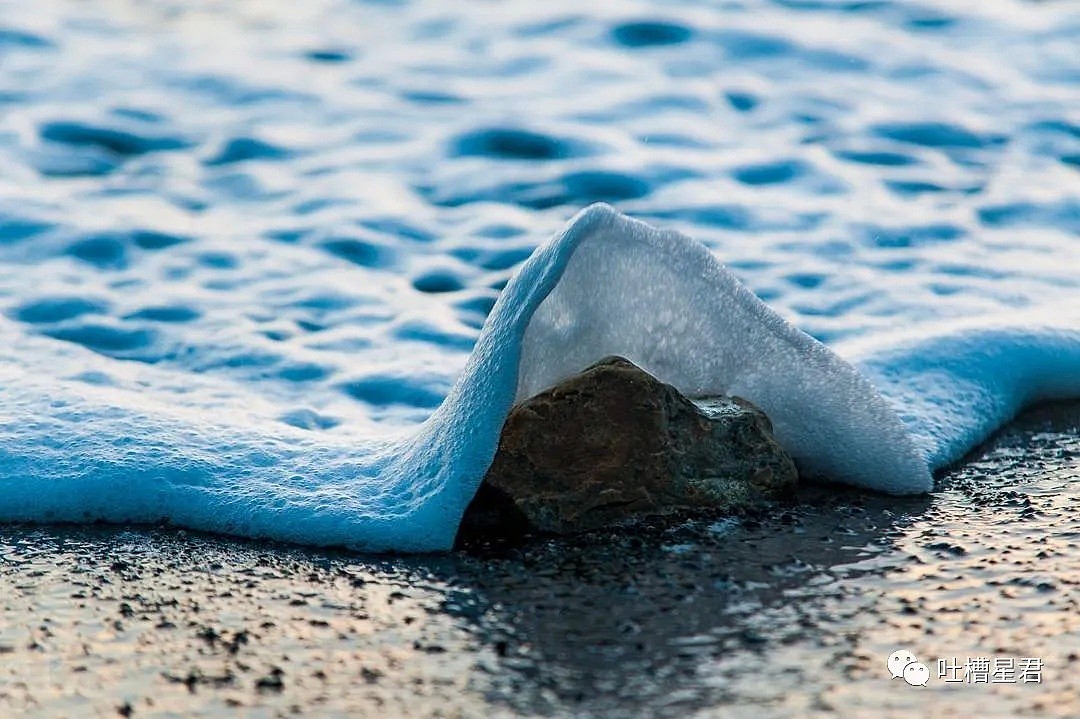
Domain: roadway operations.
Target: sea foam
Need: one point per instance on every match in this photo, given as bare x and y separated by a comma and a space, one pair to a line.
82, 441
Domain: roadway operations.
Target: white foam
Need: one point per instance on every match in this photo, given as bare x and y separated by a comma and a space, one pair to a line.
953, 384
666, 303
71, 451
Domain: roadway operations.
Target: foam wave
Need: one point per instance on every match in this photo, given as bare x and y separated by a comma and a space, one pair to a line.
71, 451
954, 384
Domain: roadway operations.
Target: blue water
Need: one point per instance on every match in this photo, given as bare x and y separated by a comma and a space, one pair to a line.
248, 250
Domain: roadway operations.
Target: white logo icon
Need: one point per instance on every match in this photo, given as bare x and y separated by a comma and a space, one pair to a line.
904, 664
916, 674
898, 660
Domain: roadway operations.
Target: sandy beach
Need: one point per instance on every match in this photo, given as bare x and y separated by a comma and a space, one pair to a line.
790, 613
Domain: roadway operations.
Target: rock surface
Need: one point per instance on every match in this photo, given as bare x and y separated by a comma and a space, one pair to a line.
613, 443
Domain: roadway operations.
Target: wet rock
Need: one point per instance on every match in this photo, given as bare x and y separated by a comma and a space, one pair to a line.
613, 443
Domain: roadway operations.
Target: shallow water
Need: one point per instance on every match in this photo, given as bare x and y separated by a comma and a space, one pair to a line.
791, 613
296, 218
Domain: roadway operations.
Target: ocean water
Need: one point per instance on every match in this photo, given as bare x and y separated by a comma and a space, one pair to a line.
280, 269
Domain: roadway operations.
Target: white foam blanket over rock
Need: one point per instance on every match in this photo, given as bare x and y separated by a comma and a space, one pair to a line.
607, 284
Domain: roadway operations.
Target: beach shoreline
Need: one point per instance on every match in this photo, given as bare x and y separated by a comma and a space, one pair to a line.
789, 612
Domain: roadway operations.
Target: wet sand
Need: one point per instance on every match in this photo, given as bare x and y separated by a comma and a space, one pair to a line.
788, 613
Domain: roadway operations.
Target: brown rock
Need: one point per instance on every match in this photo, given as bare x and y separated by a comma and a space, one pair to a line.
614, 443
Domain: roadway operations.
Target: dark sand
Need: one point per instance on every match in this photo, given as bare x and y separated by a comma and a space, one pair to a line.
791, 613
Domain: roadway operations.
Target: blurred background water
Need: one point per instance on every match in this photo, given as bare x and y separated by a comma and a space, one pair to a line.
319, 201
